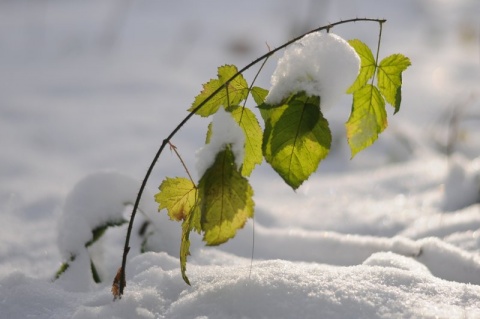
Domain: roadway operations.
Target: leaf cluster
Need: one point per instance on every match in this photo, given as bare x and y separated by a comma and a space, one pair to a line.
295, 139
222, 200
369, 117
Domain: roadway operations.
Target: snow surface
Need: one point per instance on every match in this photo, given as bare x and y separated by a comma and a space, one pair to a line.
319, 64
88, 90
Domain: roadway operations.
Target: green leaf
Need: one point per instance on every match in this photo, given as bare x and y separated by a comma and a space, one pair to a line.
296, 138
367, 68
63, 267
225, 199
95, 274
253, 138
389, 76
209, 133
213, 104
367, 120
259, 94
235, 92
190, 223
178, 195
237, 89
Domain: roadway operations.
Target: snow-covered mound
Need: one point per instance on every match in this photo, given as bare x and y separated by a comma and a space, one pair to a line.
296, 272
386, 285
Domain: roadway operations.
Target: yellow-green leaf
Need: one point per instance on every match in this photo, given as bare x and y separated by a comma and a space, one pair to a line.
389, 76
259, 94
367, 120
253, 138
209, 133
237, 89
232, 94
367, 68
225, 199
187, 226
296, 138
178, 195
185, 252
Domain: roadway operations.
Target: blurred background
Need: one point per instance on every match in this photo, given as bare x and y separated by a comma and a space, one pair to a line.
98, 84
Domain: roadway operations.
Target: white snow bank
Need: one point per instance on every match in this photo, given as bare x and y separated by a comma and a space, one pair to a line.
385, 286
442, 259
25, 297
449, 262
317, 246
462, 186
225, 131
443, 225
324, 65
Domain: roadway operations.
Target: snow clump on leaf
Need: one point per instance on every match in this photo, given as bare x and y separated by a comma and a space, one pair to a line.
323, 65
225, 131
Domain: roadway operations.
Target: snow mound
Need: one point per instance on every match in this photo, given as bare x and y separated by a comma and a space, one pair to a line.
96, 200
323, 65
385, 286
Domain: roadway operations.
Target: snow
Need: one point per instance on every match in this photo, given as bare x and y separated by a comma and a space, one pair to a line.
462, 184
225, 131
96, 200
395, 233
319, 64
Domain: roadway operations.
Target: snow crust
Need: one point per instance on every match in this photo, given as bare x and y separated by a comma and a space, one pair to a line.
320, 64
225, 131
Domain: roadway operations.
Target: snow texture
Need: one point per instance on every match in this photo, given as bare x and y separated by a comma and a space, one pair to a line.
323, 65
225, 131
394, 233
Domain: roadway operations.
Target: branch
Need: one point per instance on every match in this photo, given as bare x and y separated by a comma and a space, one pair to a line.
121, 279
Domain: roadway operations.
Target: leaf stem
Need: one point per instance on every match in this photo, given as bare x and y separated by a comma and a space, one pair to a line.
174, 149
251, 85
378, 50
121, 281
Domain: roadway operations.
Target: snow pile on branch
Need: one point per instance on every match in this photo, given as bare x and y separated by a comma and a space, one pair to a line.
225, 131
95, 201
324, 65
